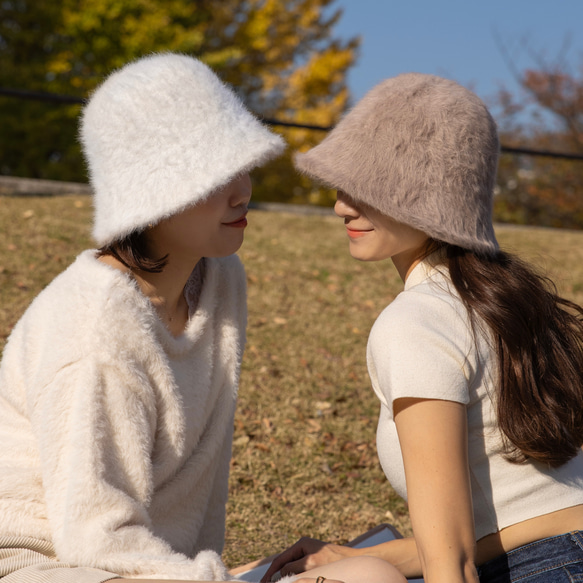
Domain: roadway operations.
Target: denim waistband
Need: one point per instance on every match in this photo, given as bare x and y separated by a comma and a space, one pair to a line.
538, 557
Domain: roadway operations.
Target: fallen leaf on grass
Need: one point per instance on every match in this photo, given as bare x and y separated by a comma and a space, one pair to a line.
314, 426
243, 440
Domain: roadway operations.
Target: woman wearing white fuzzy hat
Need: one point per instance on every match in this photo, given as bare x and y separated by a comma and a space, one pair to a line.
118, 385
478, 364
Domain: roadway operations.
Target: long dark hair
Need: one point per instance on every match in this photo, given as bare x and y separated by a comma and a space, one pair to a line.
538, 339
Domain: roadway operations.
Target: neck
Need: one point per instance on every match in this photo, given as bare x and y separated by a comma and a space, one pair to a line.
166, 292
406, 263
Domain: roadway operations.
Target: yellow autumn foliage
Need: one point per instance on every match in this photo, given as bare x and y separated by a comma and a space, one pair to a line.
281, 56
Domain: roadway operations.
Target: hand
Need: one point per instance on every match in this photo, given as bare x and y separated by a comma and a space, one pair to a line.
306, 554
311, 580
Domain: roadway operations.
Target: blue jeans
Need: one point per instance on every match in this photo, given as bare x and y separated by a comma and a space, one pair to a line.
558, 559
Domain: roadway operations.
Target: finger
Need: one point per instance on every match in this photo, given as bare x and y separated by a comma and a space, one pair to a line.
273, 568
294, 568
294, 553
276, 565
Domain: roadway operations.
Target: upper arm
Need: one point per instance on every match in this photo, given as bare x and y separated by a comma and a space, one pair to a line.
433, 439
420, 347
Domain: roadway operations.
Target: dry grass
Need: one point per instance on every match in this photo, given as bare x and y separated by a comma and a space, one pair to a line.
304, 459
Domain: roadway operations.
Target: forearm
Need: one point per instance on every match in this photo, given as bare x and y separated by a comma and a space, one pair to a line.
450, 559
401, 553
310, 554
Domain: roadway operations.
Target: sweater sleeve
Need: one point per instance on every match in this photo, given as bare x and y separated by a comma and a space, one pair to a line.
213, 526
420, 347
95, 425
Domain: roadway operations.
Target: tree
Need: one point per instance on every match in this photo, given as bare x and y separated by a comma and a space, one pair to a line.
280, 55
543, 191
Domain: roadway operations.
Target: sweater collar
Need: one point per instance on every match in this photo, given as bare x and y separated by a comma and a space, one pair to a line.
198, 324
201, 313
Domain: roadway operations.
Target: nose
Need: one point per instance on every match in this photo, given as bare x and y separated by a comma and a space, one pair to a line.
343, 207
242, 191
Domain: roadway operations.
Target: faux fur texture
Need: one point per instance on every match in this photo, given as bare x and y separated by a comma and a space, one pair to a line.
116, 436
420, 149
161, 134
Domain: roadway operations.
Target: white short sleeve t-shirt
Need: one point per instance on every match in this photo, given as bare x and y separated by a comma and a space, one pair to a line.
422, 346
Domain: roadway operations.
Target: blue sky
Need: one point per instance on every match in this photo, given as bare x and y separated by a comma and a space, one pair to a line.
456, 38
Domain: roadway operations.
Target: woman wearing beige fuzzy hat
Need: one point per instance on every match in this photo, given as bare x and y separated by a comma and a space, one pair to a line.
478, 364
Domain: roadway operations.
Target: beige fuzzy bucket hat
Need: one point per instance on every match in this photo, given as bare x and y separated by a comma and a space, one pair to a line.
420, 149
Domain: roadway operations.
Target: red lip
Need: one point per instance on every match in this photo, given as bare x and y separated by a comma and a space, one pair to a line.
240, 223
355, 234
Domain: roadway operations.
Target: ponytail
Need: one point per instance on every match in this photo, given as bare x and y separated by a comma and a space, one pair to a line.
538, 340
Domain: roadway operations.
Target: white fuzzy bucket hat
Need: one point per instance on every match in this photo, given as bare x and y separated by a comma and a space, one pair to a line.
161, 134
422, 150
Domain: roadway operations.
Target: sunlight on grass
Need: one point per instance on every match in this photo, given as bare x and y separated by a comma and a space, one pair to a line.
304, 457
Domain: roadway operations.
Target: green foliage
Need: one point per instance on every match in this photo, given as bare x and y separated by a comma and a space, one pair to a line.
280, 55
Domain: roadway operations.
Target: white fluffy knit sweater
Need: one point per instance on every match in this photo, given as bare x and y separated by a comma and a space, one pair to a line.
116, 436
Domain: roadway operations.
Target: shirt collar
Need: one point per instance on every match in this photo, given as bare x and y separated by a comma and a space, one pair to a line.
428, 268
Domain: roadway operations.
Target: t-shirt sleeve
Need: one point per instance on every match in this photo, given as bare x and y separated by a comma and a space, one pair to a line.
421, 347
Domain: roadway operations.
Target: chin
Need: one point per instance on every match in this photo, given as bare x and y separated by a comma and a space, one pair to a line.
226, 251
361, 256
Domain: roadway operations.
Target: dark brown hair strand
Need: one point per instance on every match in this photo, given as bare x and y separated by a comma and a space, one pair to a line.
538, 338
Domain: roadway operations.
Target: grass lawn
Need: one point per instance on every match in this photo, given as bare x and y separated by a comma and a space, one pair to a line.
304, 457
